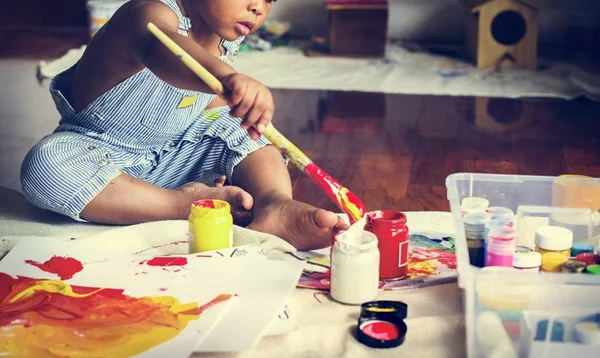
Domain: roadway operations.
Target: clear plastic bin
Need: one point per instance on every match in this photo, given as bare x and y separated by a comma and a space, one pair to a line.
506, 295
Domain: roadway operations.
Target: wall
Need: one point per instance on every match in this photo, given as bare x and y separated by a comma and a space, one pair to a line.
431, 20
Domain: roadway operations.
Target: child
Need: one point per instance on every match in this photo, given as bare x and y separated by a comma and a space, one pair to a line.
141, 136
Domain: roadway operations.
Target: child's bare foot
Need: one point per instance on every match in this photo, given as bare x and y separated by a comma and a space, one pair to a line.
241, 202
302, 225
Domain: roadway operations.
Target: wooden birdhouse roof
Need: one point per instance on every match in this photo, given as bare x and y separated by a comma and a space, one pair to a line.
530, 4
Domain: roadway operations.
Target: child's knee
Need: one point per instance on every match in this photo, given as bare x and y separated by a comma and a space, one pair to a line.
61, 174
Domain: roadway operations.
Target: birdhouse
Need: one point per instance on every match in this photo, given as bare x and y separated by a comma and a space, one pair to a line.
503, 33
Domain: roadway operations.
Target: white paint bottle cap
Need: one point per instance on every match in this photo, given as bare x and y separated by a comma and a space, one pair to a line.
527, 260
553, 238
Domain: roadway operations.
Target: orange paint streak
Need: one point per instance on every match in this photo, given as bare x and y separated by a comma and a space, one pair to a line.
64, 267
85, 321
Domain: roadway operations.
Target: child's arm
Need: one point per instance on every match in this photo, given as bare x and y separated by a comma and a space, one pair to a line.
249, 99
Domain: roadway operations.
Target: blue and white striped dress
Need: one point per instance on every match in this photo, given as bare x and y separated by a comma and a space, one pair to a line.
143, 127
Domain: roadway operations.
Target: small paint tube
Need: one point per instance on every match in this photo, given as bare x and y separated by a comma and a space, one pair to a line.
527, 261
500, 247
474, 224
581, 247
573, 266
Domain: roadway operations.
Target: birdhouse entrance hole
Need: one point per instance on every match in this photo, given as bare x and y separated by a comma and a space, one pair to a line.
509, 27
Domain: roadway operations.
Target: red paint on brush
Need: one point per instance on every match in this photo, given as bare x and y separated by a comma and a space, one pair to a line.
64, 267
204, 204
167, 261
381, 330
334, 191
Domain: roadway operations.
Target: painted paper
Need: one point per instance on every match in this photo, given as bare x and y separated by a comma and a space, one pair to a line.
185, 287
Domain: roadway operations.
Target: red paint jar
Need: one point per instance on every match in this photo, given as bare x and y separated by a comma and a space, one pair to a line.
393, 235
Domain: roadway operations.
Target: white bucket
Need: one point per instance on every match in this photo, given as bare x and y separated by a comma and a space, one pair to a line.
100, 11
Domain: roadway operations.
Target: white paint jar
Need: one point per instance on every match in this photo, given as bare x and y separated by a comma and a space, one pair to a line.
355, 268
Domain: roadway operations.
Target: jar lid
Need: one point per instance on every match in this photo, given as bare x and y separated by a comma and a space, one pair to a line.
573, 266
523, 249
476, 219
588, 258
494, 222
383, 331
527, 259
593, 269
553, 238
500, 212
579, 247
374, 308
474, 204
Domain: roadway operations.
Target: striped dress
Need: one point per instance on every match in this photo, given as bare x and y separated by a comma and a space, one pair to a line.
143, 127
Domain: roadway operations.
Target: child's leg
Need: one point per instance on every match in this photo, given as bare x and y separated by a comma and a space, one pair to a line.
86, 179
264, 175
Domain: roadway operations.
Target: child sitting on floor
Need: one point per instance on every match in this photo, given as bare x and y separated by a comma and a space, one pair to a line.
141, 136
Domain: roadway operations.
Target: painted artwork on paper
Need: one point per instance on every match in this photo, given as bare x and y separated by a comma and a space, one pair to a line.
157, 305
432, 261
50, 318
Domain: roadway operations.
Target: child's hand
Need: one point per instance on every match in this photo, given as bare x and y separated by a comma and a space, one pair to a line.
251, 101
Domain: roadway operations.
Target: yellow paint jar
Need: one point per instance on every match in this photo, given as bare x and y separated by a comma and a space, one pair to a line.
210, 226
553, 239
553, 261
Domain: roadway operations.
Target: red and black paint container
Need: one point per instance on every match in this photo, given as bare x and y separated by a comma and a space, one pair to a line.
381, 324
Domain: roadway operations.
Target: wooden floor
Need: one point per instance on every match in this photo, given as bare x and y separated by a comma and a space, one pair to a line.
395, 151
400, 157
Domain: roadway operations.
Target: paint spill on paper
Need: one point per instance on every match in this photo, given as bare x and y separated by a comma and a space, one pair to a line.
63, 267
52, 318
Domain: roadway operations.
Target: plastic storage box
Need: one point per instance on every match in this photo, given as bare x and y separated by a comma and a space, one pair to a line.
497, 299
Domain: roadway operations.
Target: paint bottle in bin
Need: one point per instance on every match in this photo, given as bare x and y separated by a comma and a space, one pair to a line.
499, 216
474, 224
502, 243
210, 226
393, 235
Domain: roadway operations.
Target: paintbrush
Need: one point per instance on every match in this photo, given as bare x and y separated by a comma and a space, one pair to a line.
340, 195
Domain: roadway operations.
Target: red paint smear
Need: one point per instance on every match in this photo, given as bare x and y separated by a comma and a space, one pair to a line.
166, 261
381, 330
64, 267
332, 188
162, 289
205, 204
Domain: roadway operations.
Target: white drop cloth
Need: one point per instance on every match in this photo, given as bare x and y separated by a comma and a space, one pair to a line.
402, 72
